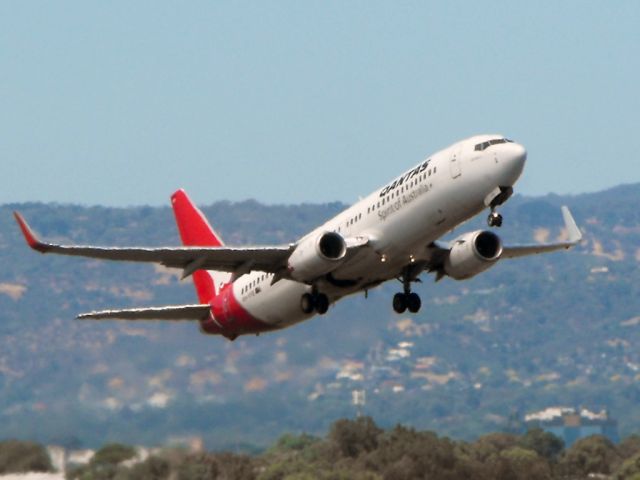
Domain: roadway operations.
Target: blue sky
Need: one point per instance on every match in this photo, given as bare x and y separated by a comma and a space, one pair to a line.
120, 103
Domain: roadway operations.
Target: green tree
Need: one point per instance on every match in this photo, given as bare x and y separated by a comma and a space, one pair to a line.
295, 442
629, 470
201, 466
113, 454
545, 444
153, 468
105, 464
595, 454
629, 447
235, 467
406, 454
527, 464
492, 444
17, 456
214, 466
354, 437
296, 468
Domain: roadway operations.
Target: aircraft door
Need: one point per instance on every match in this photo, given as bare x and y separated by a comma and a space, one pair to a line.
454, 164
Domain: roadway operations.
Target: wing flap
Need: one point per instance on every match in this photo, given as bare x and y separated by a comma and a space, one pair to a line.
170, 313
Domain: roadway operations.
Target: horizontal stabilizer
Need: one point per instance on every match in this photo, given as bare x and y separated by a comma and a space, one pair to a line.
171, 313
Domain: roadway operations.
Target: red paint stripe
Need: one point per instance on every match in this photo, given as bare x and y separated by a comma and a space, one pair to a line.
230, 318
29, 236
195, 231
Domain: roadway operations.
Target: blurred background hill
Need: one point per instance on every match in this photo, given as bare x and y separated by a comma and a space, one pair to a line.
555, 329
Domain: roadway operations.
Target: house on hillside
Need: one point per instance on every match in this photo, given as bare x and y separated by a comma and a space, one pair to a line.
572, 424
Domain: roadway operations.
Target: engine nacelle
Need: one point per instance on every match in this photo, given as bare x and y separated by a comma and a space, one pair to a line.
472, 253
317, 256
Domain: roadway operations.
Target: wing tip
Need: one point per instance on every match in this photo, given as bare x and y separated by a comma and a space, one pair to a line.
575, 235
30, 237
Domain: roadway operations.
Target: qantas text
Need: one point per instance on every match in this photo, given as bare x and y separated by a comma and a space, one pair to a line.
407, 176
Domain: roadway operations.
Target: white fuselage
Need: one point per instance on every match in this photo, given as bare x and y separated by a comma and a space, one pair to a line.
401, 219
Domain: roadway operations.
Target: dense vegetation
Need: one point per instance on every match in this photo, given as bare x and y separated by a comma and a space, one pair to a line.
555, 329
20, 456
361, 450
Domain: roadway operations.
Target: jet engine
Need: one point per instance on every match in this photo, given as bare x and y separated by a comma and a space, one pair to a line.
472, 253
316, 256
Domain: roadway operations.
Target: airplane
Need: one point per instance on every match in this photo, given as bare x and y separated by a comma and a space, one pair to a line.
390, 234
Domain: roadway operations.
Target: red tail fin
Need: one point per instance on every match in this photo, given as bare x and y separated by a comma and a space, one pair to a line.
195, 231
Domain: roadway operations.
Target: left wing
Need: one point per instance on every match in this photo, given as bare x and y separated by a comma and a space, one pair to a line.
575, 235
176, 313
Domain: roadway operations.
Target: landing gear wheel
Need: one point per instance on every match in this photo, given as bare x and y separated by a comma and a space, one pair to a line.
318, 302
322, 303
399, 302
413, 302
494, 219
306, 303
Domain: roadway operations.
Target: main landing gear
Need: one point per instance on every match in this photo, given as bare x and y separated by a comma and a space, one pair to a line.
406, 300
494, 219
314, 301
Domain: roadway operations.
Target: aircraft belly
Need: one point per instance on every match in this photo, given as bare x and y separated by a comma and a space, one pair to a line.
278, 304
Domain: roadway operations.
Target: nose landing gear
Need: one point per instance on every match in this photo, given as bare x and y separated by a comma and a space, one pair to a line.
494, 219
497, 197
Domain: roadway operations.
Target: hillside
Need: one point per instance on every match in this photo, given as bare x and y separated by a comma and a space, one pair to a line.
556, 329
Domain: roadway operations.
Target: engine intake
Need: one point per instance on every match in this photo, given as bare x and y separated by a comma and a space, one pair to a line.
472, 253
332, 246
316, 256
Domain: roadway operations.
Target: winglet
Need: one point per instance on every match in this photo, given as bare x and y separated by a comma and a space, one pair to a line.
575, 235
29, 236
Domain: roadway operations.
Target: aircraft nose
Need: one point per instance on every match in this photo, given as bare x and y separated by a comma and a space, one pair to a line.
514, 158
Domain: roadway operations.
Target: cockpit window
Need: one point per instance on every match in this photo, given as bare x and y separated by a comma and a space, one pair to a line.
484, 145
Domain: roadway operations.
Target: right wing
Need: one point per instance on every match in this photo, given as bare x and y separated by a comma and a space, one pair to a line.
270, 259
176, 313
236, 260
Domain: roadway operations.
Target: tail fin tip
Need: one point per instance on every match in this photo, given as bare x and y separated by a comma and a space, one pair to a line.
195, 231
193, 226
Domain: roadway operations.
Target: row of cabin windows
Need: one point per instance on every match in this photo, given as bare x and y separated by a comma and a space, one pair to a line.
384, 200
354, 219
402, 189
255, 282
350, 222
